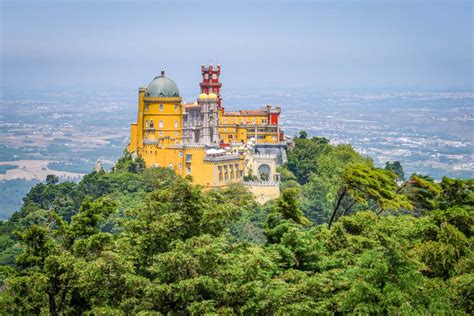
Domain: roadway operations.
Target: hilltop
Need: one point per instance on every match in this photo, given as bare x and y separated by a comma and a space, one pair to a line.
344, 237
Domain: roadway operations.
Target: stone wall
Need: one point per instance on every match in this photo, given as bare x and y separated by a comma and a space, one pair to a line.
263, 191
278, 150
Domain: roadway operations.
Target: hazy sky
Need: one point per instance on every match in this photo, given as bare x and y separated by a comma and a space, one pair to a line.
320, 44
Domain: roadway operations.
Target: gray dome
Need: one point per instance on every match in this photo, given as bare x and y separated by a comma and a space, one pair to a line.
162, 87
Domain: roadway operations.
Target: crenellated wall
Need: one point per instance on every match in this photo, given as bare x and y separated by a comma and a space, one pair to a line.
263, 191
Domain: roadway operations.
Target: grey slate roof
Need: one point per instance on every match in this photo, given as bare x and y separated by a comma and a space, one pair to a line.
162, 86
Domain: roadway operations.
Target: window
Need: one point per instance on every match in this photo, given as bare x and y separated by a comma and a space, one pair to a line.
170, 166
147, 124
180, 166
264, 121
180, 154
225, 120
152, 124
176, 133
175, 124
161, 124
176, 107
161, 133
147, 107
161, 107
188, 169
189, 158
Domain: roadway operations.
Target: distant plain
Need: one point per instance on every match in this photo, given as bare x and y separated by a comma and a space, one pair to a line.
65, 133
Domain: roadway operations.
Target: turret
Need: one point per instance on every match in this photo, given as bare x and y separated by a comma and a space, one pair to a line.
210, 81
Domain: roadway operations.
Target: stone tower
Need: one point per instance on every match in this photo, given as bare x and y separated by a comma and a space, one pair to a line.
209, 134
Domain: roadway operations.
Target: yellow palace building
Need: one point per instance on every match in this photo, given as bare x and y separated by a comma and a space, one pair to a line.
199, 139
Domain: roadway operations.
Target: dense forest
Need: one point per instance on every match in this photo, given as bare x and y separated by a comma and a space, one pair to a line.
344, 237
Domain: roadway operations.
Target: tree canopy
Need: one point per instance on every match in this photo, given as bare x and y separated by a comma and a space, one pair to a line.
147, 242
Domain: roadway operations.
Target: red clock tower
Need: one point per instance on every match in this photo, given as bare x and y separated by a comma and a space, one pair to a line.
210, 81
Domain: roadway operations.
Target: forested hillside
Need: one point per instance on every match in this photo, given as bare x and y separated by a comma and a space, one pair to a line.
344, 237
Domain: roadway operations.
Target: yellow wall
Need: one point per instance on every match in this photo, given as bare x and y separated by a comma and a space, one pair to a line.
206, 173
160, 121
190, 161
164, 117
235, 128
242, 133
133, 138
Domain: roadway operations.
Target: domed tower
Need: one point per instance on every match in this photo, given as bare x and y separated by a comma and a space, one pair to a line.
159, 116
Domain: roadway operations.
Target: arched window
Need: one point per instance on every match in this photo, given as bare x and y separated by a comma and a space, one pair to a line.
264, 172
175, 124
152, 124
176, 107
170, 166
161, 107
160, 124
146, 124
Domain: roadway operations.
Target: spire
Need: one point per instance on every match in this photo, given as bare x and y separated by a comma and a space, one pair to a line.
162, 72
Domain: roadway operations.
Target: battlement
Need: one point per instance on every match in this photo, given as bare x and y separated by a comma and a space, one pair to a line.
261, 184
211, 69
265, 156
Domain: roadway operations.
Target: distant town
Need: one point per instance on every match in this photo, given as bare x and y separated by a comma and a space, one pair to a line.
66, 133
